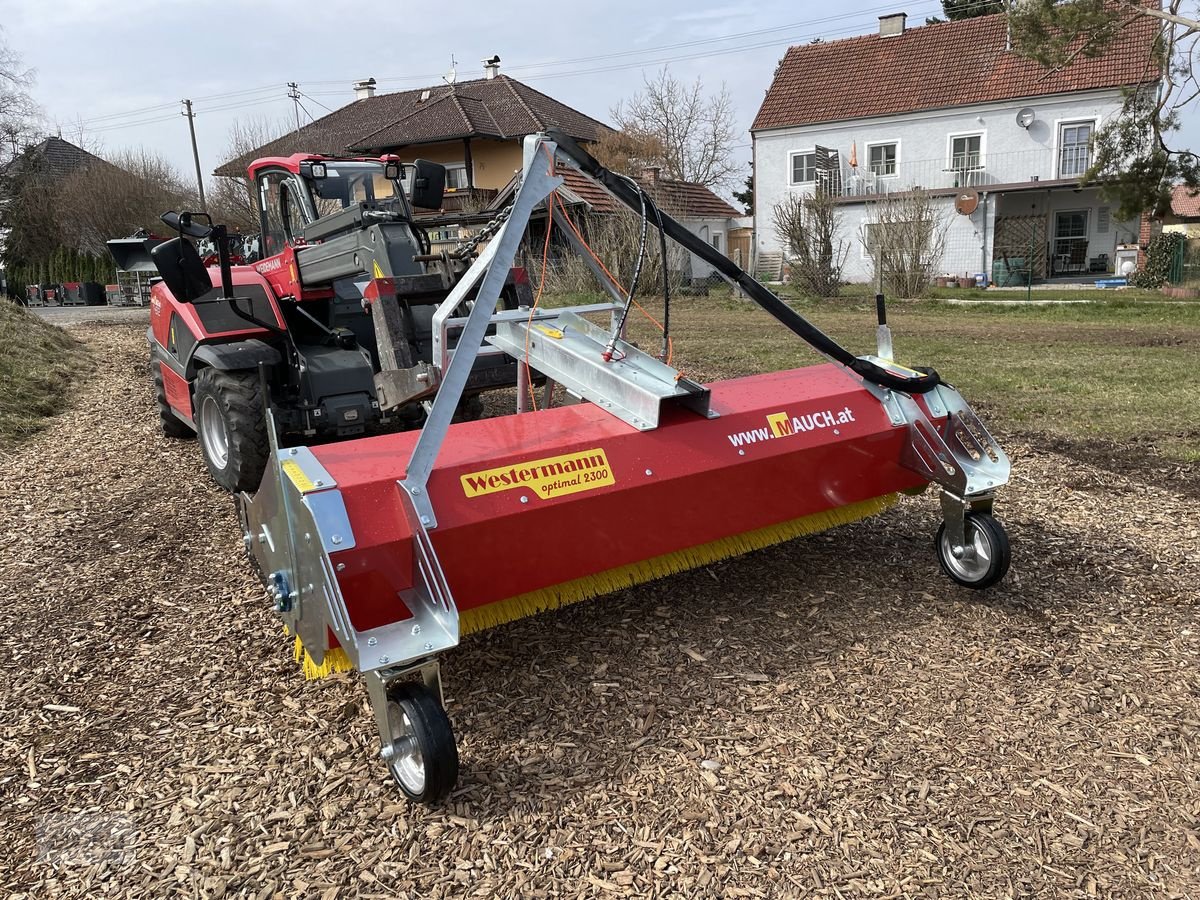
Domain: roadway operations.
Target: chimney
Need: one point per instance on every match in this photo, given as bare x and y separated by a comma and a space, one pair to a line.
651, 173
491, 67
365, 89
892, 24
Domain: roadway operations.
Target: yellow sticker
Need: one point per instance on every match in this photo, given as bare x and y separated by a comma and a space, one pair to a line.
554, 476
549, 331
292, 470
377, 272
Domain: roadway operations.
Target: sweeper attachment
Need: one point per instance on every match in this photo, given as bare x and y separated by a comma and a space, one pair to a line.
380, 552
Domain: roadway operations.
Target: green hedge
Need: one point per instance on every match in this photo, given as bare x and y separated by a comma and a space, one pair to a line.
1159, 255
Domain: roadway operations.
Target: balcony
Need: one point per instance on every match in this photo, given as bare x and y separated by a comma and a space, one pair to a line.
947, 176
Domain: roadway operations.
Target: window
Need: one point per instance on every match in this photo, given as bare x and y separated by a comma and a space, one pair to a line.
882, 159
716, 241
966, 152
456, 178
1074, 149
270, 187
804, 168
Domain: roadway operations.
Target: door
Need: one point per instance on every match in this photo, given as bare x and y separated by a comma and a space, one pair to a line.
1070, 242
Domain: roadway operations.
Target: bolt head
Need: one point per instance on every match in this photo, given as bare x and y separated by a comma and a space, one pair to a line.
524, 499
429, 646
416, 629
649, 472
384, 660
387, 751
957, 551
336, 539
293, 451
416, 490
341, 567
371, 642
424, 520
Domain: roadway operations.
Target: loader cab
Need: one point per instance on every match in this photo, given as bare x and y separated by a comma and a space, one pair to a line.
290, 199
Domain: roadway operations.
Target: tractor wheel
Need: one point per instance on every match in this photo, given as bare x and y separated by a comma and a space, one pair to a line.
231, 423
172, 426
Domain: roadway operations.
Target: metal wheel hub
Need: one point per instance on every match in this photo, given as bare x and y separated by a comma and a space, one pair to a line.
973, 561
403, 755
214, 433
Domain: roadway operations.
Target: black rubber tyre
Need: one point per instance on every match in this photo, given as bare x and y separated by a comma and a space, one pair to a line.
231, 424
991, 550
424, 761
172, 425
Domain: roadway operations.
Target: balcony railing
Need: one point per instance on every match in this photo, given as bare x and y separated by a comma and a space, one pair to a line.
1016, 167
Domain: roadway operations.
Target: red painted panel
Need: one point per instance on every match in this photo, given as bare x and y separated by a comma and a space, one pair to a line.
178, 392
526, 502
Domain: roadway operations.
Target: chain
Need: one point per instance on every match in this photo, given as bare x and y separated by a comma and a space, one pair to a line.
485, 233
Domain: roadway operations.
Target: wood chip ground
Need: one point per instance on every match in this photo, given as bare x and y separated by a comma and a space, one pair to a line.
829, 718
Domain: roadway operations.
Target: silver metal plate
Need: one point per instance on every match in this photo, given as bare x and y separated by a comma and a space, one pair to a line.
570, 350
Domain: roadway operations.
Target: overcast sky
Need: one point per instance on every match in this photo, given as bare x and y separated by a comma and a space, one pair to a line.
120, 67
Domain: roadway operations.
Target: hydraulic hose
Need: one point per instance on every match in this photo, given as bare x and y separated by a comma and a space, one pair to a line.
821, 342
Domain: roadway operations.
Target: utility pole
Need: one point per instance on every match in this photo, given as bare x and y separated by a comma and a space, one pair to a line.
191, 117
294, 94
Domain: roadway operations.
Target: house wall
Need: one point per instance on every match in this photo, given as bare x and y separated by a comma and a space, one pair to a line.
704, 229
494, 162
1010, 154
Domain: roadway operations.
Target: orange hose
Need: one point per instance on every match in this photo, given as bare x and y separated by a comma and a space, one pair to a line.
612, 278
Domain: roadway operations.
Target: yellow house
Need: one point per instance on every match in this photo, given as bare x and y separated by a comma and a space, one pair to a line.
474, 128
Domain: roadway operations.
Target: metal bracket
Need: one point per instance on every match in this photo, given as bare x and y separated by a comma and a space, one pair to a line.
959, 454
379, 681
492, 267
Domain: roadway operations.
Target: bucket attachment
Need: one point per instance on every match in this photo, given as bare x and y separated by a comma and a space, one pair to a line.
380, 552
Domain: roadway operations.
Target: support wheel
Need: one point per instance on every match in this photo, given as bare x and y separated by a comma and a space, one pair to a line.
172, 425
991, 555
422, 756
231, 423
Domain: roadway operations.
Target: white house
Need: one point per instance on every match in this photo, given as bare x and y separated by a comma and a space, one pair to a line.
951, 109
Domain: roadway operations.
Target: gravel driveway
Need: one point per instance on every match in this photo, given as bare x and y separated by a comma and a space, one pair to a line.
828, 718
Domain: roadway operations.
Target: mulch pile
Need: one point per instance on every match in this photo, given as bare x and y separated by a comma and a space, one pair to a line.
830, 718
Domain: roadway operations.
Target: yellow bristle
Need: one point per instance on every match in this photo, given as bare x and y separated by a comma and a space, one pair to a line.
335, 660
493, 614
503, 611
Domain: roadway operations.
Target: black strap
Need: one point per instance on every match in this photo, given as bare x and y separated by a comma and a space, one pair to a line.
869, 371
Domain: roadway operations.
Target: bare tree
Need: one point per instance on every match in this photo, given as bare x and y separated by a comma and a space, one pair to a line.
695, 130
629, 152
232, 200
905, 238
103, 201
18, 112
809, 227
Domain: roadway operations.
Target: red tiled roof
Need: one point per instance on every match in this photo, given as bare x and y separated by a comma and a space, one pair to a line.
686, 199
936, 66
1185, 202
681, 199
500, 107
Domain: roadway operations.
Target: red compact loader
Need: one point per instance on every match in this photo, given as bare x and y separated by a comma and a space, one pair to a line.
381, 550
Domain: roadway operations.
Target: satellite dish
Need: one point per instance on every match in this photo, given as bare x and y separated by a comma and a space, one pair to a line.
450, 77
1025, 117
966, 202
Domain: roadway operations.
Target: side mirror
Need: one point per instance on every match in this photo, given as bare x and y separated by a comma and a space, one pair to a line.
181, 269
429, 184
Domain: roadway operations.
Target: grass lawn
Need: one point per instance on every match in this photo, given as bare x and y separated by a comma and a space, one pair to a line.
1121, 371
37, 363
